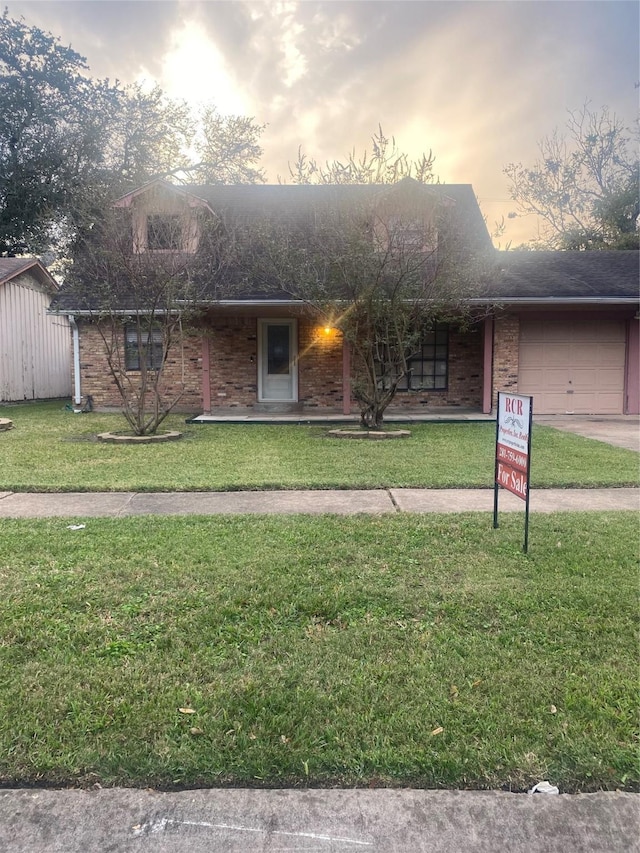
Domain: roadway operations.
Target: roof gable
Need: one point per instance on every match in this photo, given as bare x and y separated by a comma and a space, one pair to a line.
11, 268
158, 186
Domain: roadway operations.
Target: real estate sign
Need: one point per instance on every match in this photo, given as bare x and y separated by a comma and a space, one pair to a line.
513, 443
513, 451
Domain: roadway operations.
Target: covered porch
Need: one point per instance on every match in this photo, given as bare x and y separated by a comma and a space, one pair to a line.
284, 366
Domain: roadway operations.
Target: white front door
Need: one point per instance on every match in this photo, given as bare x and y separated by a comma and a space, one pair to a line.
277, 368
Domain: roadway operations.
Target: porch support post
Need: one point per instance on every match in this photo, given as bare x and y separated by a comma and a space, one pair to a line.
487, 373
206, 378
346, 377
632, 377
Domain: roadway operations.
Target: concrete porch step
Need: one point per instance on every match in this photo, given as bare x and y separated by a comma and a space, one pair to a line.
328, 416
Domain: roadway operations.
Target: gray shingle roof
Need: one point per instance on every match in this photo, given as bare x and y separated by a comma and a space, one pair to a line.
263, 199
294, 202
12, 267
520, 276
567, 276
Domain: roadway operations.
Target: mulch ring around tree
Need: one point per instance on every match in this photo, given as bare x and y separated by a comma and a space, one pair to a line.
372, 434
128, 438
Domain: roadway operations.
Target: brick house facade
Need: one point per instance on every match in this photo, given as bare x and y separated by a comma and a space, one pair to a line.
228, 347
561, 326
182, 372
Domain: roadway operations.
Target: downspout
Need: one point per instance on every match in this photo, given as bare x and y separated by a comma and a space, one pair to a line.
77, 397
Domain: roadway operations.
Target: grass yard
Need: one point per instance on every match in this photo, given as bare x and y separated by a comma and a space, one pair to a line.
399, 650
53, 450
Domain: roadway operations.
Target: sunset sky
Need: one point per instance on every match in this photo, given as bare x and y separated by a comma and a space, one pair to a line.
477, 82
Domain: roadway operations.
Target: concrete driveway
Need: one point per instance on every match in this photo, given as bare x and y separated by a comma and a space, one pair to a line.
619, 430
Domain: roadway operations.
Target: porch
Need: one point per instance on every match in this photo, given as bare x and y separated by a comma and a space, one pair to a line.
238, 415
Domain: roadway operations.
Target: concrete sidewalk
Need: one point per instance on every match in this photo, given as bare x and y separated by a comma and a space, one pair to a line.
323, 821
309, 502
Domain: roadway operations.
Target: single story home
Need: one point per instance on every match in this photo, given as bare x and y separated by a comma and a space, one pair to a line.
35, 347
562, 326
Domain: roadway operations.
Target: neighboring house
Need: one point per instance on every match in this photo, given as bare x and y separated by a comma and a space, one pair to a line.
560, 326
35, 347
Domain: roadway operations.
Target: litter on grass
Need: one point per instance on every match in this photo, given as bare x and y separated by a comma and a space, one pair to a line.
76, 526
544, 788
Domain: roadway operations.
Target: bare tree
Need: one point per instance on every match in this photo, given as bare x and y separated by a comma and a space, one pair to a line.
385, 164
584, 185
144, 301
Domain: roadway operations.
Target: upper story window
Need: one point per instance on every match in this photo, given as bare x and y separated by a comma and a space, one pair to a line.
409, 234
406, 235
165, 232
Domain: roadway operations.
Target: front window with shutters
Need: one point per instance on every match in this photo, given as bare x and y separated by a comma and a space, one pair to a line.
143, 347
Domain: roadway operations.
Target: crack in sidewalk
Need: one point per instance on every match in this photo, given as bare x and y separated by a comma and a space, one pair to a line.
393, 500
123, 509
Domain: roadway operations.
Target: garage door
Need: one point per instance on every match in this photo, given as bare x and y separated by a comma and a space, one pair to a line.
573, 367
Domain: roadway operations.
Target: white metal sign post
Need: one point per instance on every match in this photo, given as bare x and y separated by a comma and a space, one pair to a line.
513, 452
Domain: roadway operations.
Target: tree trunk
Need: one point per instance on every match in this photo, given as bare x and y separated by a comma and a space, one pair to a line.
371, 417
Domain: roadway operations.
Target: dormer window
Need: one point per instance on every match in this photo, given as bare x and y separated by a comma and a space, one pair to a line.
407, 232
405, 235
410, 234
165, 232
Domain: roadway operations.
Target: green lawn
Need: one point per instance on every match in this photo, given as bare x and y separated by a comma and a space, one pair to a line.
51, 449
402, 650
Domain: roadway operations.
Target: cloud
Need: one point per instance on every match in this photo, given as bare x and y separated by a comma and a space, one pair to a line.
478, 82
194, 65
118, 38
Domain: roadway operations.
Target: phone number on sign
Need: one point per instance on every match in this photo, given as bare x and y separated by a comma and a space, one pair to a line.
517, 460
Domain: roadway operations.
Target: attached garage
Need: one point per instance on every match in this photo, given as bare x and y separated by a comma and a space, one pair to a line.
573, 366
566, 330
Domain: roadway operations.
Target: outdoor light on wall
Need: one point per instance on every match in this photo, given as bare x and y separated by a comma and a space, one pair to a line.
326, 330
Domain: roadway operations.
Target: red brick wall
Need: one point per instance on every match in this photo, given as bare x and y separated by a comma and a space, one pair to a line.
506, 343
320, 366
233, 365
97, 381
233, 361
